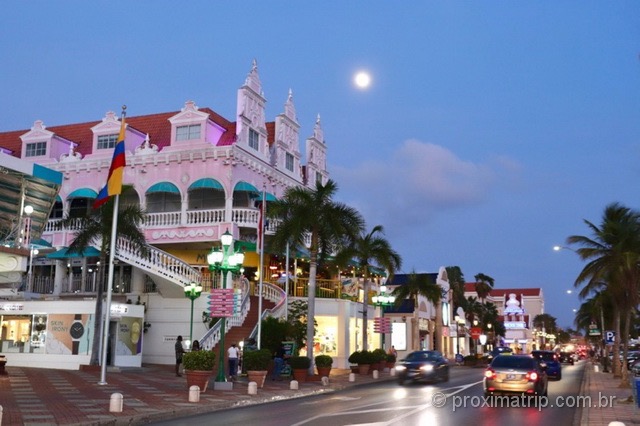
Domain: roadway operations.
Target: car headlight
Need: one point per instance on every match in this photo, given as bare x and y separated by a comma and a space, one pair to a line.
400, 368
427, 367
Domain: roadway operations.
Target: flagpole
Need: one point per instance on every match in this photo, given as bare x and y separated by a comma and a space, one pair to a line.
286, 286
107, 309
261, 231
117, 162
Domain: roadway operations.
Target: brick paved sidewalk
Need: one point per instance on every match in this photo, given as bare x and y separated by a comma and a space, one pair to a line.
33, 396
609, 402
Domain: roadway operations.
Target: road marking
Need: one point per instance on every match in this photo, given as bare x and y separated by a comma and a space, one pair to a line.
414, 409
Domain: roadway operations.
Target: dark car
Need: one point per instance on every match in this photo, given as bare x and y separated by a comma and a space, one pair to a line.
551, 359
632, 357
515, 374
423, 366
635, 368
567, 357
500, 350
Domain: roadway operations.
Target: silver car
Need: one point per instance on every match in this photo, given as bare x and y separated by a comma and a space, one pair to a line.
515, 374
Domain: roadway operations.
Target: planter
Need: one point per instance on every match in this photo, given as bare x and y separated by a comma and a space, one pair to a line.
323, 371
363, 368
198, 378
354, 368
258, 376
300, 374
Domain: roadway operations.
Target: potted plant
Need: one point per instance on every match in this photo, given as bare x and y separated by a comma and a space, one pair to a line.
300, 367
365, 359
354, 360
391, 360
256, 364
379, 359
198, 367
323, 365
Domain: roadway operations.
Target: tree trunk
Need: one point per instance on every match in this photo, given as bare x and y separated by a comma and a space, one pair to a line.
365, 312
438, 330
616, 344
313, 266
625, 350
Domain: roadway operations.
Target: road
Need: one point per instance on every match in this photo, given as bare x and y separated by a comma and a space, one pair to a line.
459, 401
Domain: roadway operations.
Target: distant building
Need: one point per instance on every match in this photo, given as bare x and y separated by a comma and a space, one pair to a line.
517, 307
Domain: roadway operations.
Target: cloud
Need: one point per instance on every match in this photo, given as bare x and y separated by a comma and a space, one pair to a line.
419, 181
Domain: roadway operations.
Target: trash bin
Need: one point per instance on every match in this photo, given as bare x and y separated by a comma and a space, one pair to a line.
637, 388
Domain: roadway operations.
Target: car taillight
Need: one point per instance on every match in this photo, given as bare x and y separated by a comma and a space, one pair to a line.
489, 373
532, 376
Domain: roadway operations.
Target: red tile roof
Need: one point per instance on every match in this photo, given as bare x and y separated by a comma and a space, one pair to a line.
156, 125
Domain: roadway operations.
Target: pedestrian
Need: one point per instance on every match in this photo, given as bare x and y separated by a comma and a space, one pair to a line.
233, 353
179, 353
195, 346
392, 351
278, 362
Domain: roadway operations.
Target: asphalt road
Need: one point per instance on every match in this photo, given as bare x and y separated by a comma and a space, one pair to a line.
459, 401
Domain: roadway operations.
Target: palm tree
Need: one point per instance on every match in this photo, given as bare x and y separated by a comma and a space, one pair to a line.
96, 231
303, 212
613, 255
421, 285
484, 285
456, 282
369, 250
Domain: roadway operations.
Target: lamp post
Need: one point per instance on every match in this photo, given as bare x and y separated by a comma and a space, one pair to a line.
490, 333
383, 299
459, 331
224, 261
192, 291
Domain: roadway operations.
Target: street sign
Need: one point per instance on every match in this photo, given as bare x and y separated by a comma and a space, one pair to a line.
609, 337
382, 325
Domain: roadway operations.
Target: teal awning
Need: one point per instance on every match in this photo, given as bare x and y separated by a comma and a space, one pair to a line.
206, 183
83, 193
163, 187
64, 253
244, 186
270, 197
58, 199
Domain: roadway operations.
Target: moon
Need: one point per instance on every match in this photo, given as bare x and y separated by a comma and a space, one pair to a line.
362, 79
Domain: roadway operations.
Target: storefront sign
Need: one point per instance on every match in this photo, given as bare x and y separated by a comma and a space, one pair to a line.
514, 324
12, 307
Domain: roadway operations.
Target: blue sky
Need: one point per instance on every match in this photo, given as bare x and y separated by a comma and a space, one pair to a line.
490, 130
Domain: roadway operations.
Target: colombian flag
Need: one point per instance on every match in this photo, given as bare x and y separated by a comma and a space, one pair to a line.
114, 180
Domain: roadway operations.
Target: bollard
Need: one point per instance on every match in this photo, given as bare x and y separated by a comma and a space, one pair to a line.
392, 372
253, 388
194, 394
352, 377
325, 381
616, 424
596, 368
376, 374
115, 403
293, 385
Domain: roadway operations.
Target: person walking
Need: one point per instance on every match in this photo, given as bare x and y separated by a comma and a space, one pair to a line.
195, 346
179, 353
233, 354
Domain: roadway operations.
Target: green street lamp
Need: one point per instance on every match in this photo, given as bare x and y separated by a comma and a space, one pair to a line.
192, 291
224, 261
383, 299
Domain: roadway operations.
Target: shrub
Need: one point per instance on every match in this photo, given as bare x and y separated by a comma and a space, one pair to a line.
379, 355
299, 362
355, 357
367, 357
199, 360
323, 361
256, 360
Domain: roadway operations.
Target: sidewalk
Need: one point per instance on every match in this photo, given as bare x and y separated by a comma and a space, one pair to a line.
600, 387
30, 396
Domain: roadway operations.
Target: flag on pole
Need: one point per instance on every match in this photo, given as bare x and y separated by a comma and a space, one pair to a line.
114, 180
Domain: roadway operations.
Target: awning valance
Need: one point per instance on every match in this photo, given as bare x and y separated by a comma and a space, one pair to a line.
83, 193
64, 253
206, 183
163, 187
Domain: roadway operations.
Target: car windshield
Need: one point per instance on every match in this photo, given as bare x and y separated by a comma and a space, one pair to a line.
422, 356
544, 356
515, 362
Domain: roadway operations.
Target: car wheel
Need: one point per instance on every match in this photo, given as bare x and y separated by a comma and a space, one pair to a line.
559, 376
